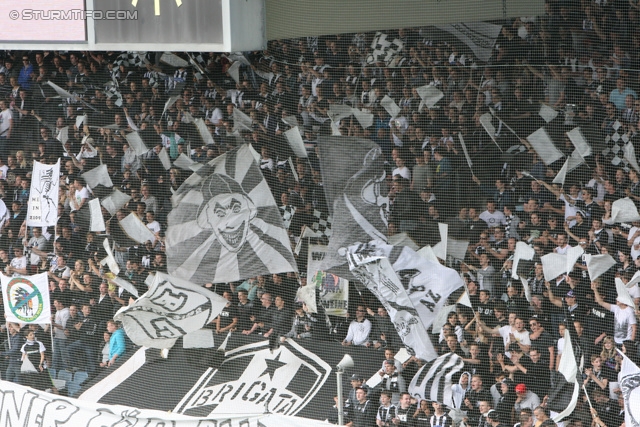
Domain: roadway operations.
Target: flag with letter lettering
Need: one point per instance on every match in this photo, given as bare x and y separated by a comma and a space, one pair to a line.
411, 288
43, 198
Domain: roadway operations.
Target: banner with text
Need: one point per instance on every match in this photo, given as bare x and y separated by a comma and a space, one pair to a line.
43, 198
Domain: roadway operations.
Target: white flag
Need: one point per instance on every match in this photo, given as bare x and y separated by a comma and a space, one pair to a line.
43, 198
115, 201
553, 264
171, 308
136, 229
204, 132
183, 162
523, 251
624, 210
110, 260
597, 265
390, 106
98, 176
544, 147
164, 159
296, 143
380, 278
628, 381
136, 143
26, 299
97, 220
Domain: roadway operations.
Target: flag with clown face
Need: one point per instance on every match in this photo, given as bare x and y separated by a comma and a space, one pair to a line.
225, 225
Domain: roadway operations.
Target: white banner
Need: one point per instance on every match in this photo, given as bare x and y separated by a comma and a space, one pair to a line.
171, 308
334, 290
26, 299
43, 198
412, 289
22, 406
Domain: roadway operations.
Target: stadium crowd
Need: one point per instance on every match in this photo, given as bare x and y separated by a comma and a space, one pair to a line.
579, 58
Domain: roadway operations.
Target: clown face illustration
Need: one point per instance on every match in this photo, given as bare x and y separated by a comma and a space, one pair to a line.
228, 215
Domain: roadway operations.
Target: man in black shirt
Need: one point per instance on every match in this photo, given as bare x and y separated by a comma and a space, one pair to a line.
244, 310
363, 413
472, 397
227, 320
536, 371
404, 411
88, 333
263, 318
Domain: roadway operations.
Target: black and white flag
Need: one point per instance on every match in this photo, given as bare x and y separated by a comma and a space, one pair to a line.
353, 179
480, 37
434, 380
225, 225
384, 49
565, 386
629, 383
412, 289
170, 309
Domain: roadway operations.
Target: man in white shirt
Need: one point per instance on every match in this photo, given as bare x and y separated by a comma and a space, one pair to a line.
624, 327
491, 216
359, 329
81, 194
60, 352
39, 242
18, 266
152, 224
563, 246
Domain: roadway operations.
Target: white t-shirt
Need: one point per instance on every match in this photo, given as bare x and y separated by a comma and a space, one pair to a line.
493, 219
80, 195
623, 320
18, 263
403, 172
521, 337
5, 122
570, 208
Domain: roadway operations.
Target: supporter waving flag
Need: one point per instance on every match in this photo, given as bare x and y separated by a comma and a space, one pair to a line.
225, 225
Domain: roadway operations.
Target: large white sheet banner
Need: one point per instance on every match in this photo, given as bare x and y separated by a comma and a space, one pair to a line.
26, 299
23, 406
43, 198
171, 308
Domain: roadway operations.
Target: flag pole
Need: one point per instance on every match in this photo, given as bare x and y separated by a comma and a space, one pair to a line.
590, 405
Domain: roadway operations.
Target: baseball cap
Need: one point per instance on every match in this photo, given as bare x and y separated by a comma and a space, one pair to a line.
493, 415
521, 388
356, 377
570, 294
